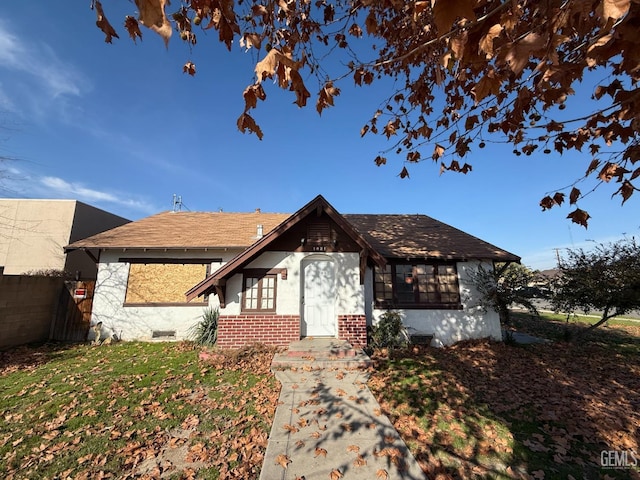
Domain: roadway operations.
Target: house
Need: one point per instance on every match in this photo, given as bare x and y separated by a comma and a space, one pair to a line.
278, 277
33, 233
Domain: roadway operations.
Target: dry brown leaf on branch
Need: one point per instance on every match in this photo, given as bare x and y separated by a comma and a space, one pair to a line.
580, 217
614, 9
103, 24
446, 12
189, 68
382, 474
353, 448
152, 16
131, 25
246, 122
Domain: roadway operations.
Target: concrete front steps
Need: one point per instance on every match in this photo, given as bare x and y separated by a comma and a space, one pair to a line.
321, 352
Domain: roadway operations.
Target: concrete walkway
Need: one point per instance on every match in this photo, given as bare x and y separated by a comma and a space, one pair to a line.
328, 425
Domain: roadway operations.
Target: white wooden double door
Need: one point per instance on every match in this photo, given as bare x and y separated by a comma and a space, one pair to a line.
319, 298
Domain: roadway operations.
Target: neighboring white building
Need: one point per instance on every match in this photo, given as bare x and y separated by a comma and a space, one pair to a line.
33, 234
279, 277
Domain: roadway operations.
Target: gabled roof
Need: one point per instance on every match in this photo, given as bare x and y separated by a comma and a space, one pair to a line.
420, 236
185, 230
318, 204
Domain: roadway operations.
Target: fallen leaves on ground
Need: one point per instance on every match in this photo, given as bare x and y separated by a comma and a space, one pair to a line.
481, 407
134, 410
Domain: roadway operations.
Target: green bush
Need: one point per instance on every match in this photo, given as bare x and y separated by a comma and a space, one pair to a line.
389, 332
205, 332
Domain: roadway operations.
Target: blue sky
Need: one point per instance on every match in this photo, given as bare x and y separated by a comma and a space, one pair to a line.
122, 128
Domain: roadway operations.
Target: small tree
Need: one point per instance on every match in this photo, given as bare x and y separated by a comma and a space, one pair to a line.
503, 286
606, 279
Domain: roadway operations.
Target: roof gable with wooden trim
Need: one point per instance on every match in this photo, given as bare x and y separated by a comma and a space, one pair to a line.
317, 209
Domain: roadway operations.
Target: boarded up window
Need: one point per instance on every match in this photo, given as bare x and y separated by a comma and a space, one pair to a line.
162, 282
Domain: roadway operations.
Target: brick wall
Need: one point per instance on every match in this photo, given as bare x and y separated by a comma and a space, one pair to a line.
353, 328
237, 330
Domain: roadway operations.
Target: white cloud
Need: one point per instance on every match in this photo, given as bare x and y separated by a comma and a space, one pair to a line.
60, 187
33, 77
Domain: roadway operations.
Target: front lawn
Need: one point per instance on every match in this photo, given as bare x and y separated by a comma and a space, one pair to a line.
492, 410
134, 410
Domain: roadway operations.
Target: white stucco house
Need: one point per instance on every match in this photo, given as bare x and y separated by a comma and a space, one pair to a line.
278, 277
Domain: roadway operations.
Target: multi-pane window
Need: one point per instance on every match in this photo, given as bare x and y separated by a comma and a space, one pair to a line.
417, 285
259, 292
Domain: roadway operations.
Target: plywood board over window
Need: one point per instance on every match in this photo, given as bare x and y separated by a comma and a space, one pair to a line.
163, 283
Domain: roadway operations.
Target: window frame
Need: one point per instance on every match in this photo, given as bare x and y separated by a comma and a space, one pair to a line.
386, 282
260, 275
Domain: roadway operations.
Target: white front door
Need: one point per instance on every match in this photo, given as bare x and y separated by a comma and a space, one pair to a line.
318, 303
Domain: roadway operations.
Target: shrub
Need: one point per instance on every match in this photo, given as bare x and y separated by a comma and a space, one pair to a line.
389, 332
205, 332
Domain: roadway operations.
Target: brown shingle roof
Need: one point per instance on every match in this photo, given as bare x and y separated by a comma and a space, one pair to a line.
400, 236
419, 236
186, 230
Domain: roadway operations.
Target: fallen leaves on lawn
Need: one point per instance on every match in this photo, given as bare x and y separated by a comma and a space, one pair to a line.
121, 400
463, 405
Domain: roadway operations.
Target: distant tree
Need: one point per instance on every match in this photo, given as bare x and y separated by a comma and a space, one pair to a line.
504, 286
605, 279
463, 72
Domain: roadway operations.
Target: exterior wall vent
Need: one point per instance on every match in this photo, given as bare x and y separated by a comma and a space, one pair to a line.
163, 334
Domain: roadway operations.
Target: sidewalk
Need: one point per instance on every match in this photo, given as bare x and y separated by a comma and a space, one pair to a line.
328, 425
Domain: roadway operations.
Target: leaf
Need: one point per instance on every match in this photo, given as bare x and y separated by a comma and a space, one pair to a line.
438, 151
283, 460
614, 9
290, 428
353, 448
382, 474
152, 16
325, 97
574, 196
103, 24
320, 452
189, 68
335, 474
131, 25
580, 217
592, 166
486, 42
626, 190
518, 53
297, 86
381, 161
359, 461
558, 198
547, 202
246, 121
445, 13
404, 173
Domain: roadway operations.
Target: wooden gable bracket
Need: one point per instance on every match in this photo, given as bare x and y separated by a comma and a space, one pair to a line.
363, 264
221, 290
